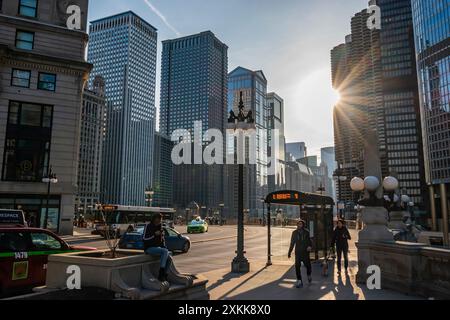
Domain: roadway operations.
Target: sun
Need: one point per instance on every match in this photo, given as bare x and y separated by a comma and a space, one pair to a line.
337, 96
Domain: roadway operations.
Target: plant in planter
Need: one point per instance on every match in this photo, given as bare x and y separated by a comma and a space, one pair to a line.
112, 238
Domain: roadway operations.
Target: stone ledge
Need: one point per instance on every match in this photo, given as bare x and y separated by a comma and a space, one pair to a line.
132, 275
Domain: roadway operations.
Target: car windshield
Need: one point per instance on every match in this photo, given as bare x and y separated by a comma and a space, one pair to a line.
139, 230
197, 222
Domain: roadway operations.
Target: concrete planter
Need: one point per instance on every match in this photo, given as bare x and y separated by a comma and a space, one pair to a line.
131, 275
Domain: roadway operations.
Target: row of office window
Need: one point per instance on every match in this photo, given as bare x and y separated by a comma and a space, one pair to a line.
21, 78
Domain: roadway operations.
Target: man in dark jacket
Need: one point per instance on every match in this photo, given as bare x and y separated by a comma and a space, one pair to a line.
301, 240
154, 244
341, 235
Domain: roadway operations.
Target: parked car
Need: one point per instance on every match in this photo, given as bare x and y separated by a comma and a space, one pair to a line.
24, 255
174, 240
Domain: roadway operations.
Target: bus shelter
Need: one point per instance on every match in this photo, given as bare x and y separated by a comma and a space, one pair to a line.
315, 209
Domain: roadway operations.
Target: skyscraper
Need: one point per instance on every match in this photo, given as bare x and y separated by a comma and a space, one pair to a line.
162, 172
275, 111
403, 137
253, 85
432, 40
194, 88
356, 74
44, 71
93, 114
328, 159
297, 149
123, 50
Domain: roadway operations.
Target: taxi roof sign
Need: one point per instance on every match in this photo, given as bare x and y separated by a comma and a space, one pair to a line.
12, 217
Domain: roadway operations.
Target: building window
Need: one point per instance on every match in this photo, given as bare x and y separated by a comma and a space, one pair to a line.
47, 81
28, 8
24, 40
20, 78
27, 145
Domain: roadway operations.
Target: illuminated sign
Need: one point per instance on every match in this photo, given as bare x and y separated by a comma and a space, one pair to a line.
285, 197
109, 208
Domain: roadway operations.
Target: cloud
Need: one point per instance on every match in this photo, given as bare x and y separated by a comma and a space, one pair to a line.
162, 17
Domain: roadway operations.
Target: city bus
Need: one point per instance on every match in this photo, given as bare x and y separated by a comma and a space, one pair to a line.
122, 218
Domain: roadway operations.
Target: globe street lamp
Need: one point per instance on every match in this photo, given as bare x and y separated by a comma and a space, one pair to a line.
49, 179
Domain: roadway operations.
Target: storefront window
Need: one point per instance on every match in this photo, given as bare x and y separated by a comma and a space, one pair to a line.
34, 208
28, 137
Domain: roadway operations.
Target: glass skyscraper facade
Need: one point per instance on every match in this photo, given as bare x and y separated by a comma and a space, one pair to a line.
432, 40
432, 37
253, 85
403, 152
122, 49
193, 88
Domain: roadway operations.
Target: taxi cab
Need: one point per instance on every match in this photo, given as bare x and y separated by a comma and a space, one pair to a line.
24, 253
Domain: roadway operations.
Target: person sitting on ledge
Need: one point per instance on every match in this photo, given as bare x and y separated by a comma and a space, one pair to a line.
154, 244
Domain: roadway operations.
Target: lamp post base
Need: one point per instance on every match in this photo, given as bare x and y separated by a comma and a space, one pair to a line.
240, 265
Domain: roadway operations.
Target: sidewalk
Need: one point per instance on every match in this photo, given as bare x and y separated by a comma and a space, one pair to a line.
277, 282
81, 234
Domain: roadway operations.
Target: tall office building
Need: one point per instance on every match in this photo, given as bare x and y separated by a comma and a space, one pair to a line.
328, 160
194, 88
379, 96
253, 85
356, 74
432, 40
123, 50
403, 136
275, 111
297, 150
162, 172
93, 113
43, 73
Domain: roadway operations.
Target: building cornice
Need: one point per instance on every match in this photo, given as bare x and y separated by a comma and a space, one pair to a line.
30, 60
33, 24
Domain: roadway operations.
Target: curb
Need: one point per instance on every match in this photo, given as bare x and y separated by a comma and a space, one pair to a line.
85, 238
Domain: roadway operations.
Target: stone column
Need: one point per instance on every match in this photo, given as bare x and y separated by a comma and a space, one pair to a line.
375, 230
396, 222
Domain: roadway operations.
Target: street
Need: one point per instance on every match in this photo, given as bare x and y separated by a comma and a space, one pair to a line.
216, 249
211, 255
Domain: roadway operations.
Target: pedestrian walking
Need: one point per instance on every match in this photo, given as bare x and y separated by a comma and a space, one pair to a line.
154, 244
340, 239
301, 240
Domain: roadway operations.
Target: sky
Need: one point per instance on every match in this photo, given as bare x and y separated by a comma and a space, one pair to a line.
290, 40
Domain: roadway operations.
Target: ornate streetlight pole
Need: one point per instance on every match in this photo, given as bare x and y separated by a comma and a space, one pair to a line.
149, 193
242, 122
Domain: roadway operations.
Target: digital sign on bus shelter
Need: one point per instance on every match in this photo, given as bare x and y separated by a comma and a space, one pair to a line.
285, 197
298, 198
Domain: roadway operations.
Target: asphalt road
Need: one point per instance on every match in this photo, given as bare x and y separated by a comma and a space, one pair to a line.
216, 249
